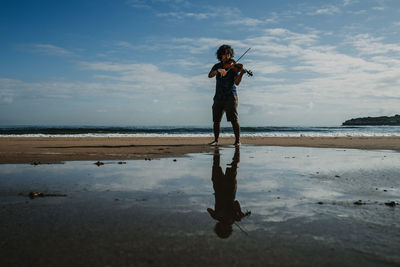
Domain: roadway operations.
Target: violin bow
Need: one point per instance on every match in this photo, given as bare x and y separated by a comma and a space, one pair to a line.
249, 72
241, 229
243, 54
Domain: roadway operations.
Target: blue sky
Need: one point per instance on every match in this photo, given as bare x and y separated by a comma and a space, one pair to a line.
139, 62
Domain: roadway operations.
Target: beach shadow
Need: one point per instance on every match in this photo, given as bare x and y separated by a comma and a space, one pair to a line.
227, 210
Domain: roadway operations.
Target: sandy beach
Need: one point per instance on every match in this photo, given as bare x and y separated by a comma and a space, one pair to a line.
56, 149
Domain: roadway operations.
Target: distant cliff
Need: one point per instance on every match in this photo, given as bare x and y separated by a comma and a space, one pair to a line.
384, 120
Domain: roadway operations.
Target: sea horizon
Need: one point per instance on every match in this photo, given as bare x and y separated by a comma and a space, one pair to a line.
195, 131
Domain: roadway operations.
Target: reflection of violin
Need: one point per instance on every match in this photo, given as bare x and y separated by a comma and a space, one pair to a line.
236, 67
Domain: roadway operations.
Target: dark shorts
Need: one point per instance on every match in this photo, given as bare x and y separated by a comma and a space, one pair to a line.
228, 106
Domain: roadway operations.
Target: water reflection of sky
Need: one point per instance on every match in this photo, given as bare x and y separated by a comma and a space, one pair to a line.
274, 182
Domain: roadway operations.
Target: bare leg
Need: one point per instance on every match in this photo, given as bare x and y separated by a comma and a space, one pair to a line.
216, 127
236, 131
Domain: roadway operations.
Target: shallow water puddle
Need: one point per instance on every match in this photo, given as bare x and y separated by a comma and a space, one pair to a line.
300, 199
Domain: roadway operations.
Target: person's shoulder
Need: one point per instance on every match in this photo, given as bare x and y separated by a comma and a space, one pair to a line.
216, 65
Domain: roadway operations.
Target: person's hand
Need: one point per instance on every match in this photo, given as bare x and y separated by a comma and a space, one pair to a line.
222, 71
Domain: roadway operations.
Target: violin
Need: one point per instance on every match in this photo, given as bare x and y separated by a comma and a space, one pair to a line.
236, 67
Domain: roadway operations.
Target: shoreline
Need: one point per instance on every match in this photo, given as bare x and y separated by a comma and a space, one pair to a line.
59, 149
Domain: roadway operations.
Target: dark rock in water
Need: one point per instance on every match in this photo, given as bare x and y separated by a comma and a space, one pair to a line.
34, 195
391, 204
99, 163
359, 202
320, 203
47, 163
122, 162
384, 120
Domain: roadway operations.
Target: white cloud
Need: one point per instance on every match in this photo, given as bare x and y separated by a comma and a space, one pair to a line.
228, 15
7, 87
138, 3
124, 44
325, 62
147, 81
292, 37
245, 22
127, 98
327, 10
201, 45
186, 63
350, 2
359, 12
18, 89
154, 4
370, 45
49, 49
264, 67
378, 8
273, 18
188, 15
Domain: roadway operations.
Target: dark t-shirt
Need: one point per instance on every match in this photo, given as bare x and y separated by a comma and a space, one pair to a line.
225, 88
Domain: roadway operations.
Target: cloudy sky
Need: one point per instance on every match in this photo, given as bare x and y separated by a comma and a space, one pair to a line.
145, 62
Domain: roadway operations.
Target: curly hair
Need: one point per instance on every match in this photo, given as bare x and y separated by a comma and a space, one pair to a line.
223, 50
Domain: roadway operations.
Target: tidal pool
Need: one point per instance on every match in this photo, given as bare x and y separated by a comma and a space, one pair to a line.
252, 205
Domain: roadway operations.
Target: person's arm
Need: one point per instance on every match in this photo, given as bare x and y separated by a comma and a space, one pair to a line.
212, 73
238, 78
215, 72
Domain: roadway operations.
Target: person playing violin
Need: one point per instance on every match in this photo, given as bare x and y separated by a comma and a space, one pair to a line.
228, 76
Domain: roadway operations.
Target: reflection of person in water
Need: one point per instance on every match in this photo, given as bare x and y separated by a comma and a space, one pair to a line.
227, 209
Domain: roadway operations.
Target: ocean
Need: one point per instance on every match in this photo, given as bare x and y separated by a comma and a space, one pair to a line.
178, 131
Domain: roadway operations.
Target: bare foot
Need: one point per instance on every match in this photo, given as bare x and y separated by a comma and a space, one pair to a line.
214, 143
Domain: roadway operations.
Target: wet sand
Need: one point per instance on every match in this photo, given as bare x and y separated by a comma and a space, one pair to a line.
56, 149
